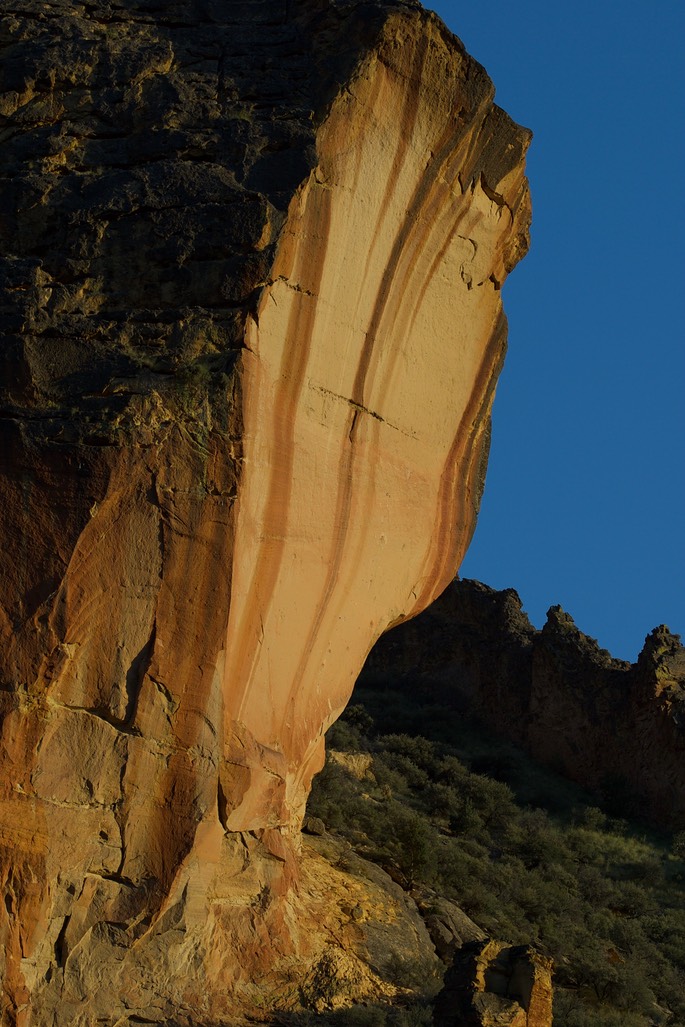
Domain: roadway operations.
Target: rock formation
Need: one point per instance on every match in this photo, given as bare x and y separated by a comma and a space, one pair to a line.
492, 985
252, 324
617, 729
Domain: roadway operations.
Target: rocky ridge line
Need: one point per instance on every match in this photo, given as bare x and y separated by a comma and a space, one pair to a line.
616, 728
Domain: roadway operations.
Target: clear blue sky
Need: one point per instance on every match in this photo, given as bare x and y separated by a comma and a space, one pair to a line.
585, 499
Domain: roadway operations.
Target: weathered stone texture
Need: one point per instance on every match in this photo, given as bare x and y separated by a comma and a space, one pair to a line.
251, 326
616, 728
490, 984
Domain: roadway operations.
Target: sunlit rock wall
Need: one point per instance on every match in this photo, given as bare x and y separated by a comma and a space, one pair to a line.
252, 325
367, 382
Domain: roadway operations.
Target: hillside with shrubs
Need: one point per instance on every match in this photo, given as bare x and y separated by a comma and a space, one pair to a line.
447, 809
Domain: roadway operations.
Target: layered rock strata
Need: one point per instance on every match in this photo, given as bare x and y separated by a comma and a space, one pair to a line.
252, 323
616, 728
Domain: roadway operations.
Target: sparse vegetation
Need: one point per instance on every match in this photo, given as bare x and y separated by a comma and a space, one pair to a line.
417, 1015
530, 857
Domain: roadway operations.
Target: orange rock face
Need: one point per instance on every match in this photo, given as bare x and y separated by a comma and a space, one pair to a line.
367, 385
245, 431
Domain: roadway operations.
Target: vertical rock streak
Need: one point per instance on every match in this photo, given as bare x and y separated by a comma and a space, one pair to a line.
399, 212
283, 412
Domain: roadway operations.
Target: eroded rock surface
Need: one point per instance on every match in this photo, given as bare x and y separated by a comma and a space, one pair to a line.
616, 728
252, 324
493, 985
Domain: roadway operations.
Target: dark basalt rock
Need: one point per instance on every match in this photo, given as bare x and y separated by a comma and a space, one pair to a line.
149, 154
618, 729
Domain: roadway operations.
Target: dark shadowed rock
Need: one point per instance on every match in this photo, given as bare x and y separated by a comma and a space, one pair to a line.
618, 729
493, 985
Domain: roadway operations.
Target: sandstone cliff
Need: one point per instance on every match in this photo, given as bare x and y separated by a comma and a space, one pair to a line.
252, 323
618, 729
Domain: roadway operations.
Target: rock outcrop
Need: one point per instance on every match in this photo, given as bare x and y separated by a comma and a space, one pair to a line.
252, 324
617, 729
492, 985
